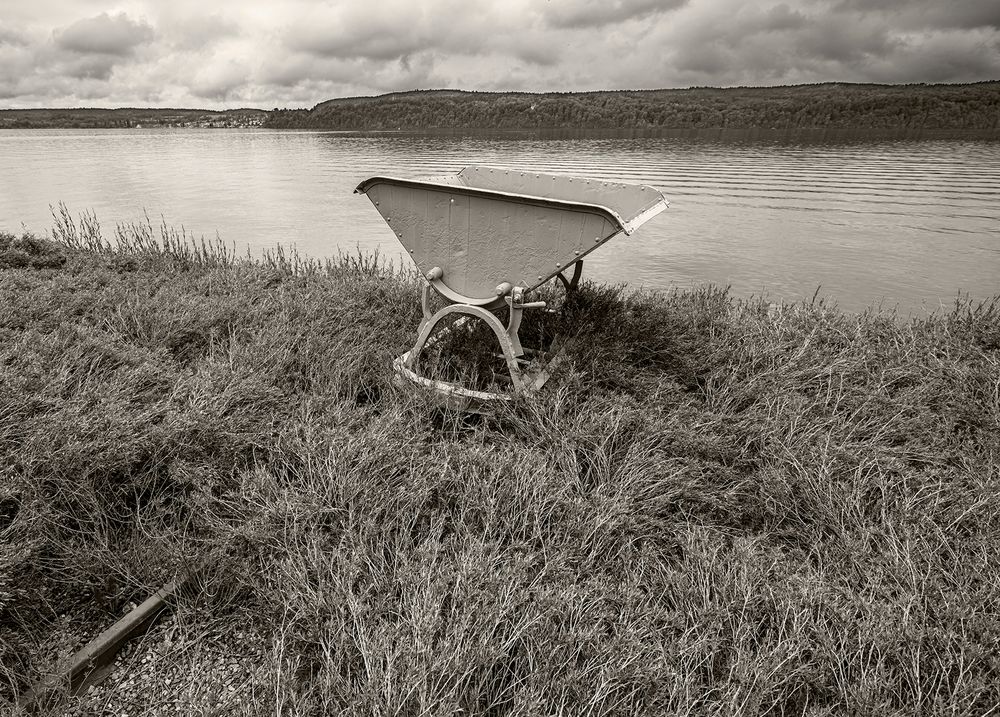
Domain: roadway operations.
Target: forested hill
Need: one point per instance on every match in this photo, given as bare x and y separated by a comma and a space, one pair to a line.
972, 106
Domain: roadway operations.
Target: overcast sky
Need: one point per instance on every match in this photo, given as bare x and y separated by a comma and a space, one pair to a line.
294, 53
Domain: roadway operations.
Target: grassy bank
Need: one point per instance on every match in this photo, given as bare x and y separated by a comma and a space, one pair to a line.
722, 507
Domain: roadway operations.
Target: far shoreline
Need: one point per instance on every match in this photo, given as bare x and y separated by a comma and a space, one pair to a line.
724, 135
822, 107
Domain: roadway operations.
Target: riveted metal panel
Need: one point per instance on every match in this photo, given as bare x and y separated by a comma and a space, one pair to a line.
505, 229
455, 252
628, 201
489, 240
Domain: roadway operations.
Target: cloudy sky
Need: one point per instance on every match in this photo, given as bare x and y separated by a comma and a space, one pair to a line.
294, 53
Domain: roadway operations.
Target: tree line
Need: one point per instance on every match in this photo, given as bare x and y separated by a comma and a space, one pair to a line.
828, 106
970, 106
125, 117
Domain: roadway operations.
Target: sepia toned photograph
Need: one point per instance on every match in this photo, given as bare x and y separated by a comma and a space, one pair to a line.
601, 358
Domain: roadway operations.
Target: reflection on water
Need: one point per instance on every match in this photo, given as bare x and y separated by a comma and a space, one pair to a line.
871, 220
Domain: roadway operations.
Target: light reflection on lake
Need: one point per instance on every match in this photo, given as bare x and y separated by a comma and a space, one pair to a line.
901, 222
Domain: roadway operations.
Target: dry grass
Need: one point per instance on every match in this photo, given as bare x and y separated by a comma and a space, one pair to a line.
720, 508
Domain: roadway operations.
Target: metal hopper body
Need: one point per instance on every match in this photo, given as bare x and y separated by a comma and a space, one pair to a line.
487, 236
485, 227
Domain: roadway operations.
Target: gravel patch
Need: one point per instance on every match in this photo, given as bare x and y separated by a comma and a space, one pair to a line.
181, 668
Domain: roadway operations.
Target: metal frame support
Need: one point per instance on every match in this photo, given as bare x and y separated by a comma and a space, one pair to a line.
502, 334
515, 300
428, 333
425, 305
571, 284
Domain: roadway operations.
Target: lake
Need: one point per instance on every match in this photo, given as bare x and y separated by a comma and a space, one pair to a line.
866, 220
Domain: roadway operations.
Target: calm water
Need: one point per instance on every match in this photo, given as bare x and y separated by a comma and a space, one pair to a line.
907, 224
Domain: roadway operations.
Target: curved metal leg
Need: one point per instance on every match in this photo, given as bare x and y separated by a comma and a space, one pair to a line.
428, 326
577, 272
425, 304
513, 326
571, 284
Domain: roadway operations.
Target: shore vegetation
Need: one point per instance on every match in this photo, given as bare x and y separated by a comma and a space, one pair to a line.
721, 506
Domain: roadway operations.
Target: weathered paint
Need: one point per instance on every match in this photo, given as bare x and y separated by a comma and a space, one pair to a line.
488, 226
626, 201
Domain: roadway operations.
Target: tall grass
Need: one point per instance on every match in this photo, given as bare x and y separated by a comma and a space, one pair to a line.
721, 507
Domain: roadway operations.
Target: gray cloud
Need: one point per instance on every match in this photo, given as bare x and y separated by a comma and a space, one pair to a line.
781, 18
195, 33
289, 70
105, 34
371, 43
598, 13
11, 38
396, 29
400, 45
845, 40
298, 52
302, 71
387, 31
97, 67
220, 82
925, 14
946, 57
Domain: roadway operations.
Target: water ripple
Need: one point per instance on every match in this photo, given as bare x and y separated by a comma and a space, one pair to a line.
907, 223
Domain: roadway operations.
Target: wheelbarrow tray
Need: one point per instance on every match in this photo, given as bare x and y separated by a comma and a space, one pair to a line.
487, 226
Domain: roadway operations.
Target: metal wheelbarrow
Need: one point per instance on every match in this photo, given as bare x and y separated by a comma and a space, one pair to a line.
486, 237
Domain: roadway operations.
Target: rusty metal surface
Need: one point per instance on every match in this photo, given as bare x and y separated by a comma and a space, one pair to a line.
488, 226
